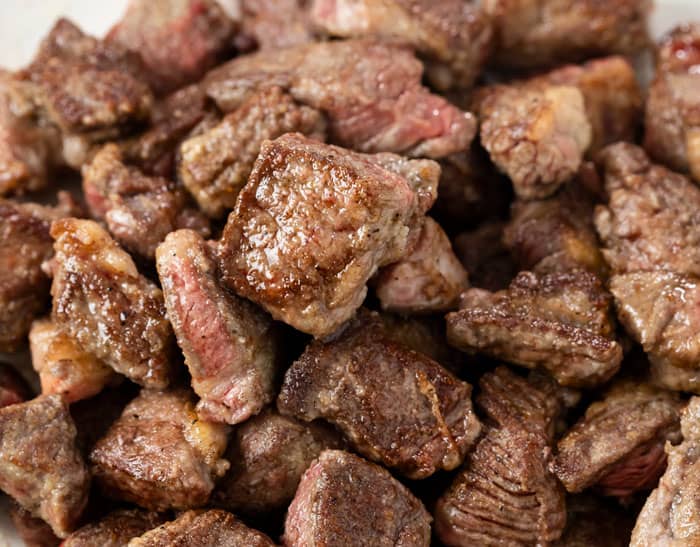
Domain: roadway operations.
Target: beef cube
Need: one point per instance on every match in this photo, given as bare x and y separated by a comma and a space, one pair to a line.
115, 529
159, 454
274, 24
592, 521
229, 344
13, 388
671, 515
504, 493
395, 405
679, 379
104, 304
344, 500
618, 445
315, 222
370, 92
40, 465
452, 36
216, 164
485, 257
33, 531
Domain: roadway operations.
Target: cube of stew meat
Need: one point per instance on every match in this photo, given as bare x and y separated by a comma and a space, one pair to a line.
13, 387
32, 530
273, 24
115, 529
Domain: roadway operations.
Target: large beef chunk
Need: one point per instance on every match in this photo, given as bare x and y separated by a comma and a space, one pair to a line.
40, 465
395, 405
594, 521
343, 500
32, 530
315, 222
485, 257
13, 387
229, 344
115, 529
370, 92
111, 310
504, 493
273, 24
560, 322
159, 454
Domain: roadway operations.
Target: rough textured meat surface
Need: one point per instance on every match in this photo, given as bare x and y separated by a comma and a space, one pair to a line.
229, 344
203, 529
111, 310
268, 455
395, 405
159, 454
430, 278
676, 378
32, 530
114, 530
315, 222
13, 388
487, 260
593, 521
216, 164
40, 465
370, 92
274, 24
452, 36
343, 500
671, 515
537, 33
560, 322
504, 494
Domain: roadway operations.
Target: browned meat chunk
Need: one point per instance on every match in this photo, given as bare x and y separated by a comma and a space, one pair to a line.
504, 494
315, 222
215, 165
229, 344
395, 405
593, 521
560, 322
671, 515
114, 530
344, 500
274, 24
40, 465
485, 257
33, 531
112, 311
13, 388
370, 92
676, 378
159, 454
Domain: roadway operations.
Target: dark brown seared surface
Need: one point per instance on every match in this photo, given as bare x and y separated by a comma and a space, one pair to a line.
452, 36
315, 222
345, 500
274, 24
33, 531
114, 530
40, 465
268, 455
13, 388
215, 165
485, 257
112, 311
230, 345
538, 33
618, 443
560, 322
395, 405
159, 454
210, 528
593, 521
370, 92
504, 494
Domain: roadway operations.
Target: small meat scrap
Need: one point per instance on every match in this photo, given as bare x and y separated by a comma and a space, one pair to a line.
13, 388
40, 465
560, 322
618, 445
229, 343
115, 529
269, 454
216, 164
504, 493
315, 222
32, 530
370, 91
395, 405
274, 24
485, 257
104, 304
343, 500
594, 521
159, 454
671, 515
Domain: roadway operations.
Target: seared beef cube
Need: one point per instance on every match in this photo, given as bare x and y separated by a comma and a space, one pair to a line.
229, 344
268, 455
452, 36
560, 322
618, 445
13, 388
274, 24
345, 500
395, 405
430, 278
159, 454
33, 531
178, 40
370, 92
671, 515
216, 164
539, 33
593, 521
504, 494
485, 257
114, 530
315, 222
112, 311
40, 465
